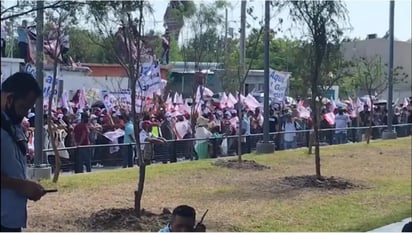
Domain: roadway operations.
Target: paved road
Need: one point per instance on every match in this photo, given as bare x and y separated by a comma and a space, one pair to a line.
394, 227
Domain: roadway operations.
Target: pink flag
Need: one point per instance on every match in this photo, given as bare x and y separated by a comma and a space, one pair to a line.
405, 103
233, 122
332, 106
176, 98
224, 102
232, 100
184, 109
251, 103
207, 92
330, 118
82, 99
302, 111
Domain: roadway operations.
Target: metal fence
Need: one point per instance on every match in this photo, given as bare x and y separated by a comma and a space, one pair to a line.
174, 150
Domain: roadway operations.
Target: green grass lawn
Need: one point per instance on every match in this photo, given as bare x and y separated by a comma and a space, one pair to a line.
242, 200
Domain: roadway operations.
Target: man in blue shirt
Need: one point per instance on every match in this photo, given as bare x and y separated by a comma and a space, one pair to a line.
22, 40
184, 220
128, 139
18, 95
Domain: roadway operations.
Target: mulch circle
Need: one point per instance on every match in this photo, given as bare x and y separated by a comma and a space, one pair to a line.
244, 164
126, 220
314, 182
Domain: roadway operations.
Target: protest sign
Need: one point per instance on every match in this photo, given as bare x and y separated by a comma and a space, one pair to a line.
278, 84
47, 80
150, 80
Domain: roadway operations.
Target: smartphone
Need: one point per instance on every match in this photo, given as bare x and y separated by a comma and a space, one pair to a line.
51, 190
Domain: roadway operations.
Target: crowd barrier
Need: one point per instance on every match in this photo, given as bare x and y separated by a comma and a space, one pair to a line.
226, 145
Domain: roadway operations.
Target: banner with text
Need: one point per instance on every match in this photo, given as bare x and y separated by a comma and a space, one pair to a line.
47, 80
278, 84
150, 81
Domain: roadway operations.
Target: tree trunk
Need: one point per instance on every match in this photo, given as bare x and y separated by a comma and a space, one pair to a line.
139, 193
136, 120
310, 143
315, 109
316, 139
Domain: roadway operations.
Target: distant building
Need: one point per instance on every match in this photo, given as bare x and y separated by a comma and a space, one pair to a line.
182, 74
380, 47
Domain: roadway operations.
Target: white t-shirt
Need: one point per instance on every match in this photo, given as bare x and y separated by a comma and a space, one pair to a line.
341, 123
290, 132
143, 136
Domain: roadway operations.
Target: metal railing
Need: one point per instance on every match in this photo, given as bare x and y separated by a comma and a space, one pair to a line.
230, 137
184, 148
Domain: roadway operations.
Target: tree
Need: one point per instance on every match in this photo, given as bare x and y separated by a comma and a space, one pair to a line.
22, 8
370, 75
177, 12
322, 23
127, 46
83, 48
203, 25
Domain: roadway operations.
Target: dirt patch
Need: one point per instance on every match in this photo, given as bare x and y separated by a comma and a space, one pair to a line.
314, 182
125, 220
244, 164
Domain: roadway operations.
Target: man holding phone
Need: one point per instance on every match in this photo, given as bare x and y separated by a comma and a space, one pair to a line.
18, 95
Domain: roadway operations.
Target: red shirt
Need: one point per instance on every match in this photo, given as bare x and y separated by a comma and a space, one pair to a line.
81, 131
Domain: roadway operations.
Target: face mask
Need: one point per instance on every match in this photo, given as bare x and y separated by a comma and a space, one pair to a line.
15, 119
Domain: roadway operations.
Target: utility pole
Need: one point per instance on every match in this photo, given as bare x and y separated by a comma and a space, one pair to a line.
389, 133
242, 39
266, 74
266, 146
226, 42
38, 131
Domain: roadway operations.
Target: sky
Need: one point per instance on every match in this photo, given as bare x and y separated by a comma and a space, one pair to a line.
365, 17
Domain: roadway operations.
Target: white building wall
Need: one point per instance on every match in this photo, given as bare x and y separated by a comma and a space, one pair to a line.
9, 66
73, 81
380, 47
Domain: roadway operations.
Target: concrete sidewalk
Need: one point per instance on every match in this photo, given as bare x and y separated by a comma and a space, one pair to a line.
394, 227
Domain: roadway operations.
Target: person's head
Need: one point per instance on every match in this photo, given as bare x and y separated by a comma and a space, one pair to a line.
271, 112
257, 111
24, 23
183, 219
18, 95
84, 118
289, 118
168, 116
366, 107
93, 119
340, 111
146, 126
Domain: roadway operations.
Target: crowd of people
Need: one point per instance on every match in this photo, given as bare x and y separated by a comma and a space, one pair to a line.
57, 42
208, 133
